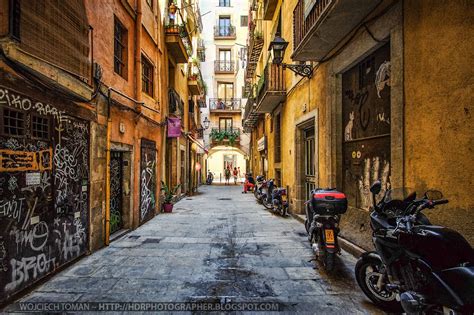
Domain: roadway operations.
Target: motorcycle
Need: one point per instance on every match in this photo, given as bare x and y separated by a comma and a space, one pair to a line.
210, 178
259, 189
275, 198
417, 267
323, 212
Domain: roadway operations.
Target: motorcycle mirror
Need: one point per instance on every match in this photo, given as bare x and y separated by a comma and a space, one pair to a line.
433, 194
376, 187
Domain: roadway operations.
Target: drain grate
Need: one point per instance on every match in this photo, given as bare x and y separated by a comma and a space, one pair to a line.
134, 237
151, 241
224, 198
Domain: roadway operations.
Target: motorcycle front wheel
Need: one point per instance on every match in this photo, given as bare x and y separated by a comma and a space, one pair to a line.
266, 204
368, 270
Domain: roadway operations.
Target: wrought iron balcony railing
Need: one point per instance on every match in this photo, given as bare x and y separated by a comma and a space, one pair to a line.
224, 66
225, 32
229, 104
302, 24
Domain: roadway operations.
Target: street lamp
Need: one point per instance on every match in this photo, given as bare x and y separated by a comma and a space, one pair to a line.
278, 47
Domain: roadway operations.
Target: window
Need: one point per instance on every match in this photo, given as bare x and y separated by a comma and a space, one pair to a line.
225, 124
13, 122
40, 127
147, 76
278, 181
225, 61
277, 139
225, 90
244, 20
224, 3
224, 26
120, 49
225, 55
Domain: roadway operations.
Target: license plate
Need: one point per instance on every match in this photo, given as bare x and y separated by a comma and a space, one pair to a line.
329, 236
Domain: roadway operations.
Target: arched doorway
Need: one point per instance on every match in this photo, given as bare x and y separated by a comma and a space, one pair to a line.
220, 157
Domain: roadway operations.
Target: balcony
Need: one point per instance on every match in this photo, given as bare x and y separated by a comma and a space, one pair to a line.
201, 50
269, 9
224, 67
229, 136
255, 44
177, 39
250, 116
195, 81
271, 89
224, 32
320, 27
176, 104
231, 105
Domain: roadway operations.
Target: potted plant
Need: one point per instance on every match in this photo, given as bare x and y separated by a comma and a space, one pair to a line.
169, 194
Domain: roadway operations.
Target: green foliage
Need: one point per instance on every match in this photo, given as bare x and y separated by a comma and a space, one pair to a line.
169, 193
220, 135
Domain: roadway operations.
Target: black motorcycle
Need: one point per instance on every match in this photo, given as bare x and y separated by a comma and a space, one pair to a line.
323, 213
260, 188
417, 267
274, 198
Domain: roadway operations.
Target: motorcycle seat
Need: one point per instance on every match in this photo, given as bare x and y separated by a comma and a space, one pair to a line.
461, 280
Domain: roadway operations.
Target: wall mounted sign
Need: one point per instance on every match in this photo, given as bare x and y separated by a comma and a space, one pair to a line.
174, 127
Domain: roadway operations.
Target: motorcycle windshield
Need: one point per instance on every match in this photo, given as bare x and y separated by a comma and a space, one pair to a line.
398, 194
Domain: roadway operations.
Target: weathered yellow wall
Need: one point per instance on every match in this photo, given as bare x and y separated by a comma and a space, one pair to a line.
439, 98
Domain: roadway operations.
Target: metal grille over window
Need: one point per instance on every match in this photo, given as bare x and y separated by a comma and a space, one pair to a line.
13, 122
40, 127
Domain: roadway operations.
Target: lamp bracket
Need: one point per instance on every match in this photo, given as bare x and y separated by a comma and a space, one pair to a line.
302, 70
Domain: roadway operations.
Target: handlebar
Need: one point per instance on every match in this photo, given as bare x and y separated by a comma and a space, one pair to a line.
439, 202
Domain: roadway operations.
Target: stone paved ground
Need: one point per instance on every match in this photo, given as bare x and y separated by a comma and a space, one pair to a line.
218, 244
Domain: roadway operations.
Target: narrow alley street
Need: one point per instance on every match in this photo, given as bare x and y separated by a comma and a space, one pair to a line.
218, 244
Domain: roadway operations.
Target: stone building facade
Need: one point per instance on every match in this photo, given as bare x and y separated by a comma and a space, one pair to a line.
388, 99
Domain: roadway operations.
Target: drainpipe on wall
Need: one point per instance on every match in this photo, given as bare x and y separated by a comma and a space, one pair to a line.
107, 173
138, 47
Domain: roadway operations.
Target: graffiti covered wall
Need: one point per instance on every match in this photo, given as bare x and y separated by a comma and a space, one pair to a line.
44, 190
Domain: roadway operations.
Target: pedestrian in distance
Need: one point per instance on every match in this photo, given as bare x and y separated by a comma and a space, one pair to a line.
235, 173
227, 175
249, 183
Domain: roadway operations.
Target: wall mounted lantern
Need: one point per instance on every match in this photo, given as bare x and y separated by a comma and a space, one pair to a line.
278, 47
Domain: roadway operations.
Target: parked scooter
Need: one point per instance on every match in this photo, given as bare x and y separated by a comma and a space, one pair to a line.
417, 267
260, 188
275, 198
323, 213
210, 178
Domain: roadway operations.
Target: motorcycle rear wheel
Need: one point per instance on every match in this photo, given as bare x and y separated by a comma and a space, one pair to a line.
329, 261
366, 271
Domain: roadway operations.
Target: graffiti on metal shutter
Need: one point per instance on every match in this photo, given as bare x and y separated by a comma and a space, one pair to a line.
366, 126
147, 180
44, 189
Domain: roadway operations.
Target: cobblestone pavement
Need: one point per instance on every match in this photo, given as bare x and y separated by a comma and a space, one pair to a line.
219, 244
